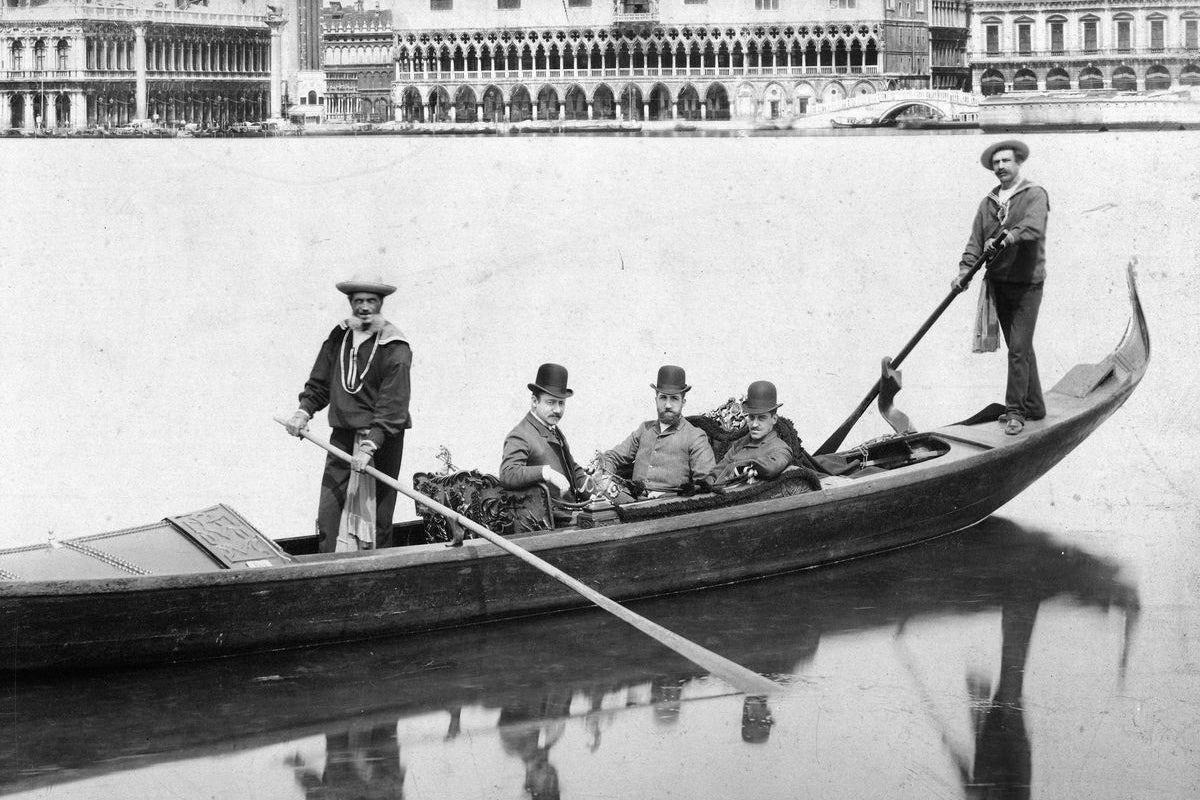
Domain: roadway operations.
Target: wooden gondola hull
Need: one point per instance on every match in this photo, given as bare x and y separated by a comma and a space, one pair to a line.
53, 737
94, 623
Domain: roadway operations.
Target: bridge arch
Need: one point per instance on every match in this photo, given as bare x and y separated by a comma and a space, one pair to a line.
905, 105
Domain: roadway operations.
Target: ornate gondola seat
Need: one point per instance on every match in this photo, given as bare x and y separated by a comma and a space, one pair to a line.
480, 497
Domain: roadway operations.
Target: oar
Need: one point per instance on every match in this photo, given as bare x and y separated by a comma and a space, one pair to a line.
837, 437
735, 674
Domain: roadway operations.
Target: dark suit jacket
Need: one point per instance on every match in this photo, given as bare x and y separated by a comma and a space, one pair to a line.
528, 448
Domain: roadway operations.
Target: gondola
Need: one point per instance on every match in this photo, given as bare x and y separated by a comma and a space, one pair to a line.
78, 727
208, 584
862, 122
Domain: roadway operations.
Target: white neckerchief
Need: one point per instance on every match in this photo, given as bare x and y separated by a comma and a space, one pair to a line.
1004, 195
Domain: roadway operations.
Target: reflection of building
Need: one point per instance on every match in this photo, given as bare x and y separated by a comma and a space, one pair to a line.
71, 63
467, 60
358, 62
1039, 44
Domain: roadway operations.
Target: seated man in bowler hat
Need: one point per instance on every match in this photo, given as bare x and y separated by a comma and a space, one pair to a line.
760, 454
669, 452
535, 451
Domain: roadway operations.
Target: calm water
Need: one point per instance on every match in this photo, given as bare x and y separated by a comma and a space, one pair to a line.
162, 300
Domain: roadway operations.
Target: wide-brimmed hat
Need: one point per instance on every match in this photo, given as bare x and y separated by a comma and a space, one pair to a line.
1019, 148
551, 379
366, 282
760, 398
671, 380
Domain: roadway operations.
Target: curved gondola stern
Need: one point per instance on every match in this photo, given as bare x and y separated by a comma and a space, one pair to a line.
1133, 353
1127, 363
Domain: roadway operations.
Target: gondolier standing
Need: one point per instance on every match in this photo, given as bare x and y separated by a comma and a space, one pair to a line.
362, 375
1015, 272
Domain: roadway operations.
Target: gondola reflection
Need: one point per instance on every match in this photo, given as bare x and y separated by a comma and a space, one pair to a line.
540, 679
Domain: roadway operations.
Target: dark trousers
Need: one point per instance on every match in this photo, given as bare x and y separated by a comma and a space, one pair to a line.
1017, 307
337, 478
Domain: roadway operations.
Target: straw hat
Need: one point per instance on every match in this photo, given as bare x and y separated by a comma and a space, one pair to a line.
366, 282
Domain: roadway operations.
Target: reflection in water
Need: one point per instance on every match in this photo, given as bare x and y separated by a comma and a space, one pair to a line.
756, 719
528, 731
357, 695
361, 763
1001, 768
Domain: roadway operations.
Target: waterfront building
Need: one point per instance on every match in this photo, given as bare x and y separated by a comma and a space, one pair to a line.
949, 33
513, 60
357, 45
308, 82
74, 63
1047, 45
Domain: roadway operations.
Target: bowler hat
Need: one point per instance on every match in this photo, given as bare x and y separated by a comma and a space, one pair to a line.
364, 282
760, 398
671, 380
1019, 148
551, 379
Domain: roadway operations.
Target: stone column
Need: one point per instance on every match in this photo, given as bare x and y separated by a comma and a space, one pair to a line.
276, 24
533, 111
29, 121
589, 110
49, 110
646, 111
5, 110
479, 111
507, 112
675, 109
703, 109
139, 69
78, 110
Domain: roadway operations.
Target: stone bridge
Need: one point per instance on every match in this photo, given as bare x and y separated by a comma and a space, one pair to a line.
890, 104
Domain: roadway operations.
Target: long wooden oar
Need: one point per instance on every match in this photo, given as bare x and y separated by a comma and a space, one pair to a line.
745, 680
837, 437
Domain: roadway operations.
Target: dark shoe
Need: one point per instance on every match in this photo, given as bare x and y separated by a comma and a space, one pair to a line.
1014, 426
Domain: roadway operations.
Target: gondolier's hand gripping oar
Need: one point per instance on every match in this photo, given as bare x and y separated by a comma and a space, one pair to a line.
735, 674
994, 246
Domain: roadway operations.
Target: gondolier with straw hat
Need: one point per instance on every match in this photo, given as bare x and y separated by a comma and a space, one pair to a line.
362, 375
1009, 230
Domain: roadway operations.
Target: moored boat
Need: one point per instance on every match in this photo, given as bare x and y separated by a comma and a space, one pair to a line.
862, 122
208, 584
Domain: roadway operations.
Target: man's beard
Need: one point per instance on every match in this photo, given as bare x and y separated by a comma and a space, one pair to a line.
668, 417
368, 323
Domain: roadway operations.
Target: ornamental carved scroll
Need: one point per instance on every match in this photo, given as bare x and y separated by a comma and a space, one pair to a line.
480, 498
